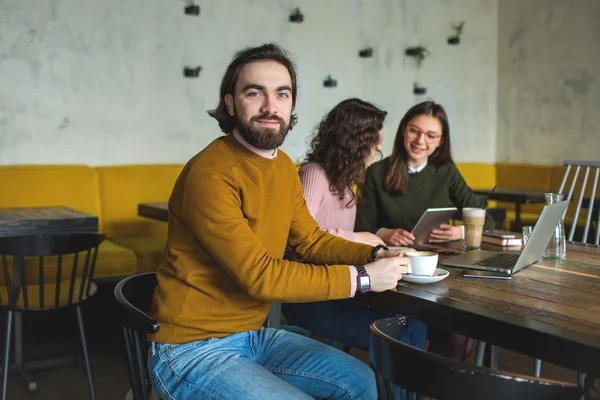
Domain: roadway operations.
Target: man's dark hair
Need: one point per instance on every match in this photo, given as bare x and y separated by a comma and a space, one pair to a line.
266, 52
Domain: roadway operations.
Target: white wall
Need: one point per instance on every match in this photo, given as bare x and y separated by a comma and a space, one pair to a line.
100, 83
549, 81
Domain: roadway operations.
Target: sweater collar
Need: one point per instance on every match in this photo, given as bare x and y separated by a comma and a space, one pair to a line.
270, 154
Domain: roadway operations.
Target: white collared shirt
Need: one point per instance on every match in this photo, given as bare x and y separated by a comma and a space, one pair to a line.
418, 169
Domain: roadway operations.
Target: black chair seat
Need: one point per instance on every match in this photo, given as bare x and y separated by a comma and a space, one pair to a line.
442, 378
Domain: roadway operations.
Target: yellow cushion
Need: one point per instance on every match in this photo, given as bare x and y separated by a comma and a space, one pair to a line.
523, 176
478, 175
74, 186
122, 188
148, 250
112, 261
33, 295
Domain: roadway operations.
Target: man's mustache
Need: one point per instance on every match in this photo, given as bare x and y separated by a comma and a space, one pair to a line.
267, 117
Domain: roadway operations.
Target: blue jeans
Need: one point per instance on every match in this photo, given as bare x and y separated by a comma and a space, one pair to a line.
265, 364
348, 321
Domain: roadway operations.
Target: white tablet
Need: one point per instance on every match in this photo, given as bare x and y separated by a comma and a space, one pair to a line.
431, 219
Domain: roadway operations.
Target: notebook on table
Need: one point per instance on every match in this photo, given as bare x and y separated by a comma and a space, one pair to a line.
511, 262
502, 238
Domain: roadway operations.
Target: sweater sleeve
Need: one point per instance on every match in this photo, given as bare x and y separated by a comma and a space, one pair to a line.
367, 210
212, 211
462, 196
315, 189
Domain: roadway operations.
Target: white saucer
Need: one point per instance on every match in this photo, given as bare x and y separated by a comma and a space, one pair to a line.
437, 276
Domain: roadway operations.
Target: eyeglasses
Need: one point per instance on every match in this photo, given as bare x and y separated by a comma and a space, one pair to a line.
430, 137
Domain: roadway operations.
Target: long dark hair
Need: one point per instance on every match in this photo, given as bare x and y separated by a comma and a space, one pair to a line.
396, 177
269, 51
343, 140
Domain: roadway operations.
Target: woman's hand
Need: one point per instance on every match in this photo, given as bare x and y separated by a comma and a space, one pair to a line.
368, 238
396, 237
445, 233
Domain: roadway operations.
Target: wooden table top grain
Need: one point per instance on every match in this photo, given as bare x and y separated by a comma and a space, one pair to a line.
37, 220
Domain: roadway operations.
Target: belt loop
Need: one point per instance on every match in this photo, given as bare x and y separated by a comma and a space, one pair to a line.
153, 347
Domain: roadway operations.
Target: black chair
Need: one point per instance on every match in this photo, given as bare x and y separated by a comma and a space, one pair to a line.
134, 294
442, 378
31, 285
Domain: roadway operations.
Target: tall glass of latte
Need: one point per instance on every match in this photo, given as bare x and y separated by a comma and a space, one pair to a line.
474, 219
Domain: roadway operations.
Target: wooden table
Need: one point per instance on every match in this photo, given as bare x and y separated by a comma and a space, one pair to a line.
37, 220
517, 196
156, 211
550, 310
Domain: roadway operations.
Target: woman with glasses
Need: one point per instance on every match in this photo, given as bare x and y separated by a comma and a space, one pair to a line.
420, 174
346, 141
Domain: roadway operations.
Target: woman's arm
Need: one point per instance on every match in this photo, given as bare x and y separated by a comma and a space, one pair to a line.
315, 189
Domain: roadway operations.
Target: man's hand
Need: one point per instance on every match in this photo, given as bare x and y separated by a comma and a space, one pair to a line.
396, 237
386, 272
368, 238
445, 233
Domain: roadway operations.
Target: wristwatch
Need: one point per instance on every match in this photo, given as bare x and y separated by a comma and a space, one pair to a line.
363, 280
376, 250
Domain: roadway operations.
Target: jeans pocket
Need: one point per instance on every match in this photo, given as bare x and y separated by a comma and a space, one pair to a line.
160, 387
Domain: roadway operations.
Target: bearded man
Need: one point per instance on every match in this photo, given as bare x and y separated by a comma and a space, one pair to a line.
233, 209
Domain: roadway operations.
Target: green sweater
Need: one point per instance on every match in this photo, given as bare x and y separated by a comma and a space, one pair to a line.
230, 215
432, 187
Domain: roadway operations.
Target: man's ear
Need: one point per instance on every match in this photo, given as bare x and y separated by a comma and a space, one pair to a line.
229, 104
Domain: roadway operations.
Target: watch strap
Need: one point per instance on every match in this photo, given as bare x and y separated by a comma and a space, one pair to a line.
376, 250
363, 280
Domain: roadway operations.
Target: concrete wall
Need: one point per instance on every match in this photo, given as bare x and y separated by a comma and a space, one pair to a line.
100, 82
549, 81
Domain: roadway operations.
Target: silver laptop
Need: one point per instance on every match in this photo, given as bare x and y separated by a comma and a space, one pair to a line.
511, 262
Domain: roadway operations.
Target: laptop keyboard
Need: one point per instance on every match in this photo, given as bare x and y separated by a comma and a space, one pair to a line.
501, 260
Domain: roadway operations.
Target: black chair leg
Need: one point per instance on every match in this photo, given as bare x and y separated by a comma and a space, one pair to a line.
9, 320
86, 357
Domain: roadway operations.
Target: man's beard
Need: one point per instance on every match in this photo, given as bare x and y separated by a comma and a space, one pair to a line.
263, 138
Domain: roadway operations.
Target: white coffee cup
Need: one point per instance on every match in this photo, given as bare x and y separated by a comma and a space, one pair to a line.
422, 263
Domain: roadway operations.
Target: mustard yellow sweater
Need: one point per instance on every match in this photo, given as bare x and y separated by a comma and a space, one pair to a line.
230, 215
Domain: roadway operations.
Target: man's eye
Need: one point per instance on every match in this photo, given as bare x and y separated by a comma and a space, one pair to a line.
284, 95
253, 94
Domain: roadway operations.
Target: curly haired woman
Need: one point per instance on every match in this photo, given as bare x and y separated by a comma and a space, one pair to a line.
346, 141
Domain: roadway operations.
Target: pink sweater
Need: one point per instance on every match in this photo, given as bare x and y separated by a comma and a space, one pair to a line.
332, 214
